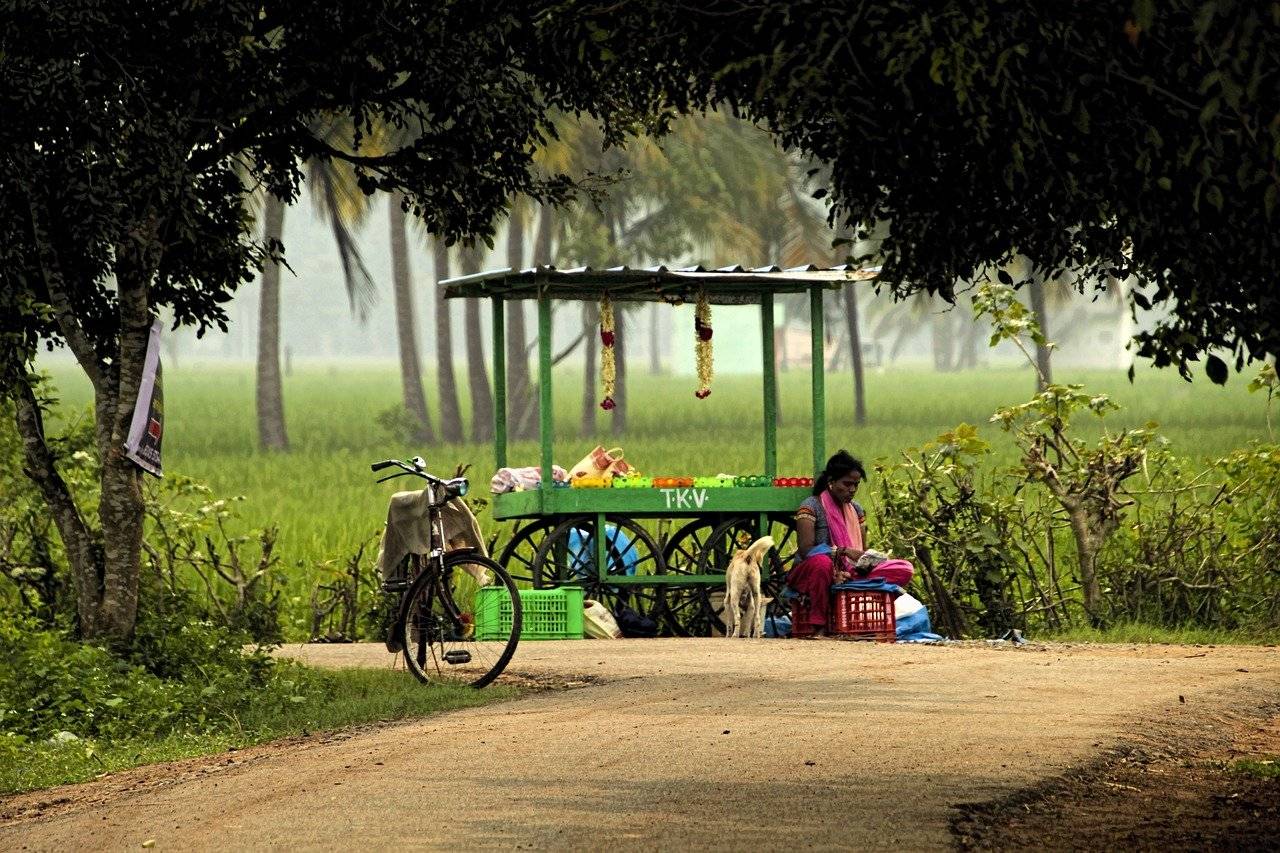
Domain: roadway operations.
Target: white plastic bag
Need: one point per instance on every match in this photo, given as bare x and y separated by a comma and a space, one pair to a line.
598, 623
523, 479
904, 605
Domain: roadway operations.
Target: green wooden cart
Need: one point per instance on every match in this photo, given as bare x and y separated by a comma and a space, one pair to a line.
664, 551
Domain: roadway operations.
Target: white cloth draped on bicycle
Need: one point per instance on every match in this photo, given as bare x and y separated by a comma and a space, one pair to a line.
408, 531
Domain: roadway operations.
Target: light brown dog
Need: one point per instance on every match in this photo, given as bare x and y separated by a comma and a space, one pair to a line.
743, 603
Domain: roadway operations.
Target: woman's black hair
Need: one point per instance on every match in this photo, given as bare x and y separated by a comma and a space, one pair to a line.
842, 464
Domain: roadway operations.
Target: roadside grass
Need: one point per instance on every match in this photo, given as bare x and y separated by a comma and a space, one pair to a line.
339, 699
1140, 633
1262, 768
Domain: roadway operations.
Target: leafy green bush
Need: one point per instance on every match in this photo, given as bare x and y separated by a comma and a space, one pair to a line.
180, 674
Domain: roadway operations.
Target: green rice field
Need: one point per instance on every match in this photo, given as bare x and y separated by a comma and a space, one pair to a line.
324, 500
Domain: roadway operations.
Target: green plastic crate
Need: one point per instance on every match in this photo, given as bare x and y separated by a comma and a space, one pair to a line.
545, 614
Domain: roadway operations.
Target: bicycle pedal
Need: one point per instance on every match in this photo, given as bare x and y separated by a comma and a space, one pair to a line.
457, 656
395, 586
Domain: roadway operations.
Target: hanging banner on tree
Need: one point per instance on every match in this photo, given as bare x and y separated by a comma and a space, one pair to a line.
147, 428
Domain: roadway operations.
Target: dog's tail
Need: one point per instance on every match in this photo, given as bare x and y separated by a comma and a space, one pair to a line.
757, 550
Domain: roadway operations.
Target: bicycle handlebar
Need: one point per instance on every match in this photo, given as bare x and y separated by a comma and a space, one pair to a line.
418, 469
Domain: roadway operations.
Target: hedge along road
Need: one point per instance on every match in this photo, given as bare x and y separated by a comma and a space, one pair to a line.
678, 743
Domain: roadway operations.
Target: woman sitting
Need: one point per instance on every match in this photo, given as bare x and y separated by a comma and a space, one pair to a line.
830, 532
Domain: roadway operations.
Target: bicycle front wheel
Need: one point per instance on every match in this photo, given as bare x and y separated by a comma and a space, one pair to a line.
461, 621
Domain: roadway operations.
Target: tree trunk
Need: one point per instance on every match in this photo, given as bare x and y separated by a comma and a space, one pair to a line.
590, 327
1087, 547
618, 423
940, 342
855, 353
1124, 322
519, 397
655, 340
1044, 370
477, 368
105, 564
526, 417
450, 413
272, 435
415, 402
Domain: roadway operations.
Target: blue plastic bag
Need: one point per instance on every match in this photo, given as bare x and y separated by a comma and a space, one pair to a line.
622, 554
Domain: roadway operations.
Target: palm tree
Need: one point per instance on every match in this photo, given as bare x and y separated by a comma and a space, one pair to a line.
336, 196
450, 413
527, 420
518, 381
415, 402
272, 434
1044, 367
477, 371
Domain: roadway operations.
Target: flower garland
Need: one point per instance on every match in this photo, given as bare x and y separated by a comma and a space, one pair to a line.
702, 345
608, 366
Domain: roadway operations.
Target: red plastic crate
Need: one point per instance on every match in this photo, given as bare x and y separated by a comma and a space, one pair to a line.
799, 627
863, 614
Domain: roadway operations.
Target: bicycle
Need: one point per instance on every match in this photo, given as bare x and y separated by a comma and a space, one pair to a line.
459, 614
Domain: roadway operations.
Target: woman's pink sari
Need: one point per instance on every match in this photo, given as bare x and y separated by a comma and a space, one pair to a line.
814, 575
842, 523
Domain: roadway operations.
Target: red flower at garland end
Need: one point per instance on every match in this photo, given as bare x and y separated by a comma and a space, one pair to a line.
607, 404
702, 394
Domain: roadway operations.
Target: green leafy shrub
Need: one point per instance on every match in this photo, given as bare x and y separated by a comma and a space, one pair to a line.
180, 674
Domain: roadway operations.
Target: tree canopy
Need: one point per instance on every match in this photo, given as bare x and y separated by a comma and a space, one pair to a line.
1111, 138
136, 135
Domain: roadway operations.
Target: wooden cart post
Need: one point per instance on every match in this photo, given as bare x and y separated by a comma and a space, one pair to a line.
499, 383
817, 371
770, 383
546, 425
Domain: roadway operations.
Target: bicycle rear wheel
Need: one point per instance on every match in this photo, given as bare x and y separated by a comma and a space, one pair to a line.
460, 623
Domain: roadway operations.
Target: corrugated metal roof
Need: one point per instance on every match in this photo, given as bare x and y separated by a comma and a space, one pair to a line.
732, 285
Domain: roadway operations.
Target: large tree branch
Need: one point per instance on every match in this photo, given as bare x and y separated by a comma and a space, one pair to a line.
51, 271
83, 550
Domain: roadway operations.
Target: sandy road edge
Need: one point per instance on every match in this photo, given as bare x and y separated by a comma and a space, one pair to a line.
1162, 739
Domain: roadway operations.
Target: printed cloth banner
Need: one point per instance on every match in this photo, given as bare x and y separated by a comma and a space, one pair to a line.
147, 428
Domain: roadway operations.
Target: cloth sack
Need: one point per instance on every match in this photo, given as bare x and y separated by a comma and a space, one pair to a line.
601, 463
633, 623
409, 532
523, 479
598, 623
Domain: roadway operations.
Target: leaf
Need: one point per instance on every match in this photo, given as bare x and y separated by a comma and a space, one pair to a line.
1217, 370
1004, 277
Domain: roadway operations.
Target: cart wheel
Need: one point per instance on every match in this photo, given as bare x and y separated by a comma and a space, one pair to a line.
567, 556
518, 556
738, 533
685, 606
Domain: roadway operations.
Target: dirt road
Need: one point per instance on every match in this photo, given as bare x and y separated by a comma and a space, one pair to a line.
680, 743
